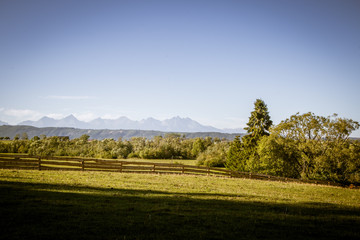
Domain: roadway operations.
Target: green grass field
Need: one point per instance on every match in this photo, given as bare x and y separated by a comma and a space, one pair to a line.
172, 161
98, 205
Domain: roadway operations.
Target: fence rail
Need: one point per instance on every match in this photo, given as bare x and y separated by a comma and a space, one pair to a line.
19, 161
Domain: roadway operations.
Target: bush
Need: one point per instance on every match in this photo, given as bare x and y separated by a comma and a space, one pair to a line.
214, 156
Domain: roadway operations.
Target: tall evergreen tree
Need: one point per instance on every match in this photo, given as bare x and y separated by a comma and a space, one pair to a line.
244, 157
259, 123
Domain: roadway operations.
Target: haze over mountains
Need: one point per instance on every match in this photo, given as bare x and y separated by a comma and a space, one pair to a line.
175, 124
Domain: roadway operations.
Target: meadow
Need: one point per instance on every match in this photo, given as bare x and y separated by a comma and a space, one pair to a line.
105, 205
170, 161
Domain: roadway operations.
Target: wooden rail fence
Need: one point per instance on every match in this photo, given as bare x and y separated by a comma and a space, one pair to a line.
11, 161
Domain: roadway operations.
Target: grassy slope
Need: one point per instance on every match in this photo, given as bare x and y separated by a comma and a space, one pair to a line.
96, 205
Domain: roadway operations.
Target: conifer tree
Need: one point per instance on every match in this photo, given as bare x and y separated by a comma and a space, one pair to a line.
244, 156
234, 154
259, 123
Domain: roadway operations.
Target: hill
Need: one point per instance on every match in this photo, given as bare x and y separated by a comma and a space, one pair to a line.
12, 131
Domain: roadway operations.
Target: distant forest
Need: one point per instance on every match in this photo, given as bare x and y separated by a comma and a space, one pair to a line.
72, 133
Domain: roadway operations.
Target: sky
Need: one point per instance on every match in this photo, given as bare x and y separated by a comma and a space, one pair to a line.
207, 60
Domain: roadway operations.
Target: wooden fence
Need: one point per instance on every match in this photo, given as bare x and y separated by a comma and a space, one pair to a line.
11, 161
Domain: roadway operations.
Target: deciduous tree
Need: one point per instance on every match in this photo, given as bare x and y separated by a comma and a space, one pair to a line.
312, 147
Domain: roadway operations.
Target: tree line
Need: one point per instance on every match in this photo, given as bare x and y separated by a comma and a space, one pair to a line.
171, 146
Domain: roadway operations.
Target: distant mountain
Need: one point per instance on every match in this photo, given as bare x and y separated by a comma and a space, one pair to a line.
3, 123
69, 121
186, 125
119, 123
175, 124
12, 131
42, 122
151, 124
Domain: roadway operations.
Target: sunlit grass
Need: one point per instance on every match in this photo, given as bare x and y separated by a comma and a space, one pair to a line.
172, 161
98, 205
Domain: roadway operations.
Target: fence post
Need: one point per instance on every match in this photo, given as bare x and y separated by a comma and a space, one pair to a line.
82, 165
154, 168
39, 163
183, 170
208, 171
121, 167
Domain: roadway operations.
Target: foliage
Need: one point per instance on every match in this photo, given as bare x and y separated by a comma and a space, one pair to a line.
312, 147
303, 146
215, 155
259, 121
242, 156
278, 157
172, 146
234, 155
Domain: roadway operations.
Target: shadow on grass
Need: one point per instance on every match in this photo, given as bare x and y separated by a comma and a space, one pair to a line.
49, 211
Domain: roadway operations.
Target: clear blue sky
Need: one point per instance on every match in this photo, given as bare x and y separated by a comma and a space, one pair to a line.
207, 60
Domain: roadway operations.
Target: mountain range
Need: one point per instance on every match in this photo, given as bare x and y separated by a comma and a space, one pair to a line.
175, 124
